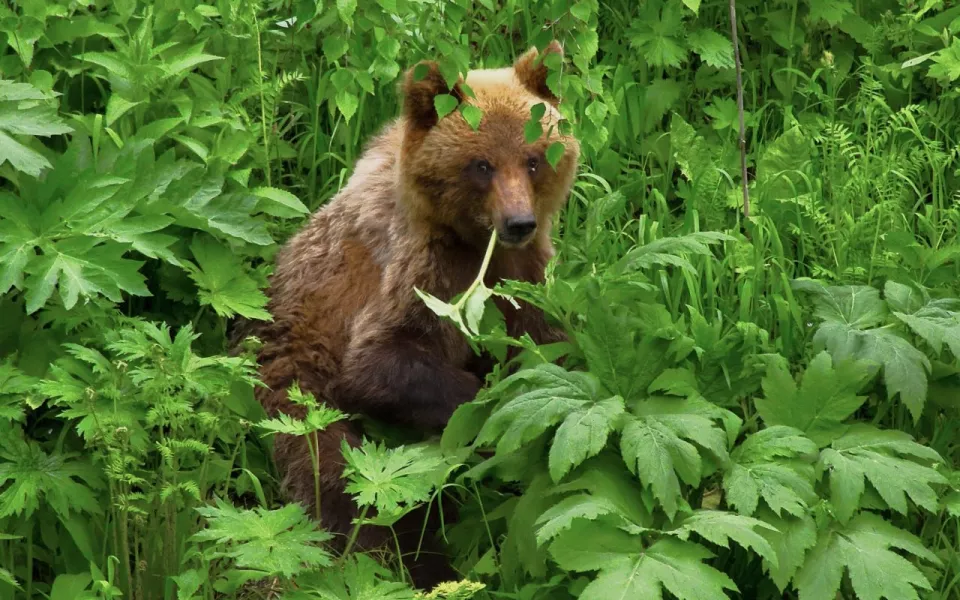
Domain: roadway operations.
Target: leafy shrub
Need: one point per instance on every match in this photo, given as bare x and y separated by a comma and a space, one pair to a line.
761, 405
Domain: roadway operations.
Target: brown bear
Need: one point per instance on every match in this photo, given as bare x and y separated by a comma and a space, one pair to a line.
418, 211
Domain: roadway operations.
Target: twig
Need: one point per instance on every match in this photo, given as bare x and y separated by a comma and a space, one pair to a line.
743, 135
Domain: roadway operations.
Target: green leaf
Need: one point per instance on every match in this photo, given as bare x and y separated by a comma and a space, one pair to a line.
275, 542
561, 516
346, 9
831, 11
628, 570
658, 445
472, 115
550, 396
334, 47
888, 459
656, 33
387, 478
583, 434
774, 464
581, 11
863, 548
847, 313
29, 475
445, 104
713, 48
83, 266
693, 5
223, 282
719, 527
555, 152
825, 399
791, 539
947, 67
347, 103
276, 197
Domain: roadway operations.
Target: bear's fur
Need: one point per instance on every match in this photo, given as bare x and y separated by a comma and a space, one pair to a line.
417, 212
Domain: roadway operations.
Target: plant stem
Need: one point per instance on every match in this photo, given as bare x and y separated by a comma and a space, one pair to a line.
743, 136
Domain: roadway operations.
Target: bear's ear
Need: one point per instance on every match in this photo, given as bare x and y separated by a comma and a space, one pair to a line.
532, 71
421, 85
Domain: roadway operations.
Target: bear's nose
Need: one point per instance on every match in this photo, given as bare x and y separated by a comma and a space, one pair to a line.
517, 229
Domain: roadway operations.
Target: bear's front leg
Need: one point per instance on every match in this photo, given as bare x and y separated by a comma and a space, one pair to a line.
405, 376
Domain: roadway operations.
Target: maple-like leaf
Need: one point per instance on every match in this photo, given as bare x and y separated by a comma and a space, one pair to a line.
852, 316
791, 539
827, 396
831, 11
863, 548
889, 460
390, 477
552, 395
774, 464
719, 527
15, 388
629, 570
656, 33
713, 48
947, 67
360, 578
660, 445
223, 282
28, 475
25, 110
274, 542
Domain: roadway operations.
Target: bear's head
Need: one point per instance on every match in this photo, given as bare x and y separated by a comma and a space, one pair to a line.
469, 182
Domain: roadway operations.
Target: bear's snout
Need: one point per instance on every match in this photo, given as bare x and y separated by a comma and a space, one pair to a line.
518, 229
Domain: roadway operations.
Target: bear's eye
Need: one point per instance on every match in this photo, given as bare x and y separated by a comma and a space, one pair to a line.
533, 163
483, 167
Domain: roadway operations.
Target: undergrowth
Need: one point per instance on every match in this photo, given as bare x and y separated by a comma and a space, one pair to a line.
761, 406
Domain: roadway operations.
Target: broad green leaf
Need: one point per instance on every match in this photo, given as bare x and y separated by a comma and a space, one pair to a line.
277, 198
472, 115
657, 32
223, 283
947, 67
889, 460
555, 152
550, 396
564, 514
347, 103
719, 527
29, 476
831, 11
387, 478
659, 446
827, 396
583, 434
713, 48
863, 548
791, 539
275, 542
774, 464
445, 104
628, 570
851, 316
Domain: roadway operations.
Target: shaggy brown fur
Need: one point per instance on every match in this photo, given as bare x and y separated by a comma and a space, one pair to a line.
418, 211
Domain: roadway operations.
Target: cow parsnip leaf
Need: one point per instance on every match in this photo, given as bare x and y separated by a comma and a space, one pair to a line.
275, 542
628, 570
224, 284
29, 475
889, 460
831, 11
660, 445
827, 396
657, 35
583, 434
25, 111
850, 330
791, 539
550, 396
774, 464
387, 478
863, 548
720, 527
713, 48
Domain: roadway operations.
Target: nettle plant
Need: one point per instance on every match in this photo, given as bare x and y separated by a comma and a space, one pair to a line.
654, 453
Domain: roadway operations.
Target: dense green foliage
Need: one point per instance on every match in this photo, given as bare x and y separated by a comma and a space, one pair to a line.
763, 406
